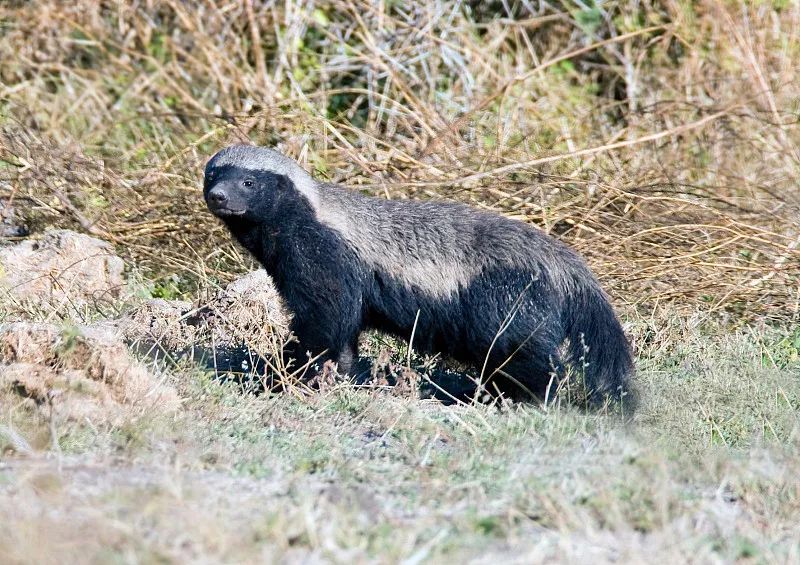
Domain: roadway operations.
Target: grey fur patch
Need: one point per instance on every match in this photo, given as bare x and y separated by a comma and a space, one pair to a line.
412, 242
440, 247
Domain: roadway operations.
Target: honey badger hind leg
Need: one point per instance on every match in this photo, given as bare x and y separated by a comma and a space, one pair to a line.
526, 370
514, 328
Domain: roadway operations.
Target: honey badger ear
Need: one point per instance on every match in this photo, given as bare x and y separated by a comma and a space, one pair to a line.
278, 184
284, 183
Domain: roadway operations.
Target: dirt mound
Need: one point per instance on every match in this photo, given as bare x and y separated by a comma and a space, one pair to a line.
64, 271
237, 332
247, 311
81, 373
250, 310
163, 323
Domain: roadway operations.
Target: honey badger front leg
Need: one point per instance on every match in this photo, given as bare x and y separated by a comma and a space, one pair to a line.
326, 324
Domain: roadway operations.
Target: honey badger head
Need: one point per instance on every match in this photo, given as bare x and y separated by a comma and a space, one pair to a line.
250, 183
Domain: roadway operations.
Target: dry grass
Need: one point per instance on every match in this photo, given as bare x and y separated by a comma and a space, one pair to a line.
658, 138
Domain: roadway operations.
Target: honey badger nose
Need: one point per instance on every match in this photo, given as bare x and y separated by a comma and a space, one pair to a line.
217, 197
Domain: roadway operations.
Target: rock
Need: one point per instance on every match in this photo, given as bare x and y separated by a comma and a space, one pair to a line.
63, 271
79, 373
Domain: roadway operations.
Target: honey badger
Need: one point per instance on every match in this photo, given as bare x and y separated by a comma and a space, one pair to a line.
484, 289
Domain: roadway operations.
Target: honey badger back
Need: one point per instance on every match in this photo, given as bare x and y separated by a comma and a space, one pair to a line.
490, 291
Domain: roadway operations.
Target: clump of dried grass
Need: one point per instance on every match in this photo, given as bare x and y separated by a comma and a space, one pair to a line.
81, 376
658, 138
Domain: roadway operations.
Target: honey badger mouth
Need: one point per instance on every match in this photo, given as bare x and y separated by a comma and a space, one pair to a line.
225, 212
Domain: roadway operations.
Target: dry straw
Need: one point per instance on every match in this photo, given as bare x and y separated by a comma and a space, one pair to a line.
660, 140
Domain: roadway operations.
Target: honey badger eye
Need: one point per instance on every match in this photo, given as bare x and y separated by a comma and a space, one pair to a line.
247, 183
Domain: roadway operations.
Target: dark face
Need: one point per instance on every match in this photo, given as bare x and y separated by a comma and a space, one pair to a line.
233, 192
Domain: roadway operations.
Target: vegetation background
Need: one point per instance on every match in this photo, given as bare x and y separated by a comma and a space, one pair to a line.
660, 138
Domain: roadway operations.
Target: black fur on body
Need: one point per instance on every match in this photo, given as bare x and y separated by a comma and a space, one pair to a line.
483, 289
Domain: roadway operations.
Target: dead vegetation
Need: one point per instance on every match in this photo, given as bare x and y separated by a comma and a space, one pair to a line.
659, 139
81, 375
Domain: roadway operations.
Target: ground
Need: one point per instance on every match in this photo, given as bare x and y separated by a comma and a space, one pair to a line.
705, 471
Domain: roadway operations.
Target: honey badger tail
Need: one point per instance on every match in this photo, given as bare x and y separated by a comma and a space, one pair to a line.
598, 344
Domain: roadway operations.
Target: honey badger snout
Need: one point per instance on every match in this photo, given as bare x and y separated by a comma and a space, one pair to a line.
217, 197
224, 200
